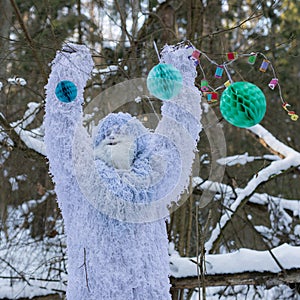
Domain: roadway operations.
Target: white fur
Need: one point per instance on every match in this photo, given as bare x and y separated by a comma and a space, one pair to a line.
116, 151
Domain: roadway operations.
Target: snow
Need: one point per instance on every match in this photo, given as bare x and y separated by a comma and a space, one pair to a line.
280, 292
1, 85
243, 159
30, 267
283, 206
289, 204
14, 181
275, 144
17, 81
291, 159
32, 138
244, 260
297, 230
138, 99
106, 72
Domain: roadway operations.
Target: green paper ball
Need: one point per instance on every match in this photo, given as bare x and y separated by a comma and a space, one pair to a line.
164, 81
243, 104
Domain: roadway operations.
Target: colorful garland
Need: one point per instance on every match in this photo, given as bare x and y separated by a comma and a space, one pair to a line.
212, 94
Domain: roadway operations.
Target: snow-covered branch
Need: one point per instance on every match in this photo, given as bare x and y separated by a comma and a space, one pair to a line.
242, 267
33, 139
271, 142
27, 140
291, 158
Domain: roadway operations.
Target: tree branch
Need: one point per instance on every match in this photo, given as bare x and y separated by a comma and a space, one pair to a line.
292, 159
248, 278
18, 143
29, 39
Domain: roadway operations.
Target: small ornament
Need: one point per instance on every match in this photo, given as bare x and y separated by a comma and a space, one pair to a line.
219, 71
292, 114
227, 83
196, 56
252, 59
232, 55
272, 84
212, 97
164, 81
66, 91
264, 65
243, 104
204, 85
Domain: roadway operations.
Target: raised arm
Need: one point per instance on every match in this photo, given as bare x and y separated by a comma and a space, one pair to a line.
73, 63
181, 115
161, 162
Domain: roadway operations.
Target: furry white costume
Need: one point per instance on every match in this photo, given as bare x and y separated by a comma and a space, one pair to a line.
108, 258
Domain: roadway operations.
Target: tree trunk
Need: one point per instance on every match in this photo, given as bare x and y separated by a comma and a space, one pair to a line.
5, 24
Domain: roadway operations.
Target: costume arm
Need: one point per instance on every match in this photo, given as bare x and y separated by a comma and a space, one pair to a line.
181, 116
73, 63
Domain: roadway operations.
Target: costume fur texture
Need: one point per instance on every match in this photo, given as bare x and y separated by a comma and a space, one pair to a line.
107, 258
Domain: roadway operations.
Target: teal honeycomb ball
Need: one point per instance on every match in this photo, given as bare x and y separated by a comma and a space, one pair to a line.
164, 81
243, 104
66, 91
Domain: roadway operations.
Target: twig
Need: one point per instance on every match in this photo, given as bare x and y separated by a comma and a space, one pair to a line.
85, 269
14, 269
28, 38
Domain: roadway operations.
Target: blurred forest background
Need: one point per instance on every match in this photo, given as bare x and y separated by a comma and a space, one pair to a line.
120, 34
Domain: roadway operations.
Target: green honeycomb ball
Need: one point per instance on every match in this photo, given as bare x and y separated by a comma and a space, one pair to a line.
164, 81
243, 104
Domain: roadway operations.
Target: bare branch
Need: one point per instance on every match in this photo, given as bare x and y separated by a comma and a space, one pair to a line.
29, 39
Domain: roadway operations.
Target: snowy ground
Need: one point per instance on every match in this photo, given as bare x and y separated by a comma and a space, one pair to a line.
30, 268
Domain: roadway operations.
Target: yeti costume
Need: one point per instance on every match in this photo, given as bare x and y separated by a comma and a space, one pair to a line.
114, 258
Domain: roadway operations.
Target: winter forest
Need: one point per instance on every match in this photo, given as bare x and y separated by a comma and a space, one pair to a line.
236, 232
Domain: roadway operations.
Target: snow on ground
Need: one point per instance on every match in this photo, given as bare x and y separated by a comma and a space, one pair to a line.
30, 267
244, 292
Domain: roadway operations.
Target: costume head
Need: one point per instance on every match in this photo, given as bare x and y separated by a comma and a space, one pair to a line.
116, 140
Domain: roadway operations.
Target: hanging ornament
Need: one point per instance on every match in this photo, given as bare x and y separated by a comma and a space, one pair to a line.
272, 84
219, 71
232, 55
196, 56
204, 85
212, 97
264, 65
66, 91
292, 114
164, 81
227, 83
243, 104
252, 59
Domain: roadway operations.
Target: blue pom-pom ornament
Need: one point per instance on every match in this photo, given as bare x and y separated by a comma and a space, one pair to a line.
66, 91
164, 81
243, 104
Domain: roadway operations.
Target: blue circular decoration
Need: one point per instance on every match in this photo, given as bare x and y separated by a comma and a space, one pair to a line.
164, 81
66, 91
243, 104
